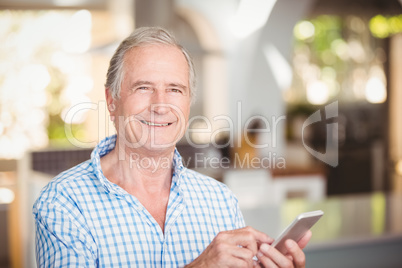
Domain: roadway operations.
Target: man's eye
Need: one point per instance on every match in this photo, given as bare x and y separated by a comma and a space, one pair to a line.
144, 89
176, 90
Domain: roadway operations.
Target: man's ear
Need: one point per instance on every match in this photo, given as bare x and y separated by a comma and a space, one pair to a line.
110, 101
111, 105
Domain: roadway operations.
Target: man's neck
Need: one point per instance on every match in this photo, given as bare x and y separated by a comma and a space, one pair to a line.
140, 169
148, 177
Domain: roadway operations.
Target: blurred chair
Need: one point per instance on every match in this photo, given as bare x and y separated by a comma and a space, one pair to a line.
252, 187
35, 170
310, 187
7, 202
257, 187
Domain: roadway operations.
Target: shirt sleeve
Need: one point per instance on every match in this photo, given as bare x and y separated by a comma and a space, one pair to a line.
62, 240
238, 216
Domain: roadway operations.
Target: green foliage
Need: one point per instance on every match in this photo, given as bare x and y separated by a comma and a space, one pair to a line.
383, 27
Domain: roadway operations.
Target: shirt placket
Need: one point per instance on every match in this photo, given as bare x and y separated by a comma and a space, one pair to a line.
153, 225
174, 210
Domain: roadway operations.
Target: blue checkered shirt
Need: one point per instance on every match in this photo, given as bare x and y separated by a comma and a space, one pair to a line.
84, 220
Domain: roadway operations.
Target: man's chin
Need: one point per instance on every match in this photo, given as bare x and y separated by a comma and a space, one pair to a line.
157, 150
164, 145
157, 143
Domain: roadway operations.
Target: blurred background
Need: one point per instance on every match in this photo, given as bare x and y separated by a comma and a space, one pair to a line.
325, 76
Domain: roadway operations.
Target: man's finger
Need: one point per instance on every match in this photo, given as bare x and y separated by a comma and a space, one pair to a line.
265, 261
244, 254
260, 237
246, 237
239, 240
305, 239
299, 259
274, 255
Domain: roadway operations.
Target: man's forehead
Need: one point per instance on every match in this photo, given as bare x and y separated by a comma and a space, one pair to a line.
169, 57
152, 48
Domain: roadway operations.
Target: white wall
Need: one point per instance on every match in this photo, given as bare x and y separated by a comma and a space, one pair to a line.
250, 79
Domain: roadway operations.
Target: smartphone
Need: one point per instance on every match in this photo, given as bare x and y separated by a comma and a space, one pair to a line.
297, 229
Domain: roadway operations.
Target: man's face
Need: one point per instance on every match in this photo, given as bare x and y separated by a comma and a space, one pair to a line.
154, 105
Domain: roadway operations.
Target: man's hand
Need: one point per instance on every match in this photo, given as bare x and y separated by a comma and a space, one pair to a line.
270, 257
233, 249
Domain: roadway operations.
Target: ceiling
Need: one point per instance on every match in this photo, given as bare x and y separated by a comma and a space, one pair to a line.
368, 7
53, 4
357, 7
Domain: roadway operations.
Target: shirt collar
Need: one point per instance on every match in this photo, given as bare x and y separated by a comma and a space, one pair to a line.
103, 148
107, 145
178, 167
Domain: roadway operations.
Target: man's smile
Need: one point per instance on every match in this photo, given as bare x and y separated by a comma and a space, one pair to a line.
153, 124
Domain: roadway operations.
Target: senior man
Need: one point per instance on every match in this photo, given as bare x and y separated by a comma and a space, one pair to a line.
134, 204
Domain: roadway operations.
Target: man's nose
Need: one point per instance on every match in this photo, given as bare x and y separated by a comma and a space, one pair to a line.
159, 104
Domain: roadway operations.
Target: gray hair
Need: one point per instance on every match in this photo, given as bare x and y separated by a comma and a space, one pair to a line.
142, 37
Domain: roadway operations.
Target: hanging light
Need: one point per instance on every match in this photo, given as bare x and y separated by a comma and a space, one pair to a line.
317, 92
